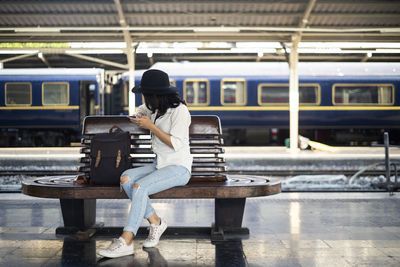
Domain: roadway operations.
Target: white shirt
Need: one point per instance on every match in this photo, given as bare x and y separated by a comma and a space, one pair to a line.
175, 122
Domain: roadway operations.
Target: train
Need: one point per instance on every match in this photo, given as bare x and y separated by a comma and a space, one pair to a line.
45, 107
340, 103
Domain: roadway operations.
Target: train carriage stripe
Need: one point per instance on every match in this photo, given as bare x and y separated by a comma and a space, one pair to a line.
40, 107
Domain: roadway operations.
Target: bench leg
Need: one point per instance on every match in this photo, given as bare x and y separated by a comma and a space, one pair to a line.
228, 218
78, 214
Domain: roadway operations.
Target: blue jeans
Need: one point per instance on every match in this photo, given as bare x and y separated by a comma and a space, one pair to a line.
149, 181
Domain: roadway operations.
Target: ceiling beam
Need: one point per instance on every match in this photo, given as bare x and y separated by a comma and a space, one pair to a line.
98, 60
202, 19
276, 37
18, 57
218, 29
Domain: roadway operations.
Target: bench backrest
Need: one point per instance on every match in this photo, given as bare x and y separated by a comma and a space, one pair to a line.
205, 144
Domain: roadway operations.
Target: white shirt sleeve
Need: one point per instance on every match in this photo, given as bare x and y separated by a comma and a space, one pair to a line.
180, 122
143, 110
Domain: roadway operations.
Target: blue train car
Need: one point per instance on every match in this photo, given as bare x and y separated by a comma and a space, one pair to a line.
340, 103
45, 107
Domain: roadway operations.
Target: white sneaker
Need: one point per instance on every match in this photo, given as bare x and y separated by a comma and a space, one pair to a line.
154, 234
118, 248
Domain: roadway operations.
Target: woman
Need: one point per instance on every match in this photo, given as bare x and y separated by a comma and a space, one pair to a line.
168, 119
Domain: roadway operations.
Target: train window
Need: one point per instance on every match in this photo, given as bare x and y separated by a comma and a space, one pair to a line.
278, 94
353, 94
55, 93
233, 91
308, 94
18, 94
196, 92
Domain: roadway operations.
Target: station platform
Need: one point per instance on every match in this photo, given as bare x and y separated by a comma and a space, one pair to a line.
289, 229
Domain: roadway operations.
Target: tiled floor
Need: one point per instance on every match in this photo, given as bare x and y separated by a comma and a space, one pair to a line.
290, 229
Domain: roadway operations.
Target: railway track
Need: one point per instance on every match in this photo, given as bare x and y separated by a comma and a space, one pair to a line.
35, 173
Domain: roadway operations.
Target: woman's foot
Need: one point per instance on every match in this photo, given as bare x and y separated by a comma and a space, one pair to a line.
118, 248
154, 234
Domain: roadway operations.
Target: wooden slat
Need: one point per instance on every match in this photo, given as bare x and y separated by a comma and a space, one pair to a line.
102, 124
142, 160
212, 169
204, 179
201, 125
208, 160
205, 125
84, 169
84, 150
84, 160
194, 150
192, 142
140, 141
207, 150
196, 160
205, 142
141, 150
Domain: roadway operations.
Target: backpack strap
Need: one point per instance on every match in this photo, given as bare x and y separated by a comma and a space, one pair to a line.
98, 158
117, 162
118, 130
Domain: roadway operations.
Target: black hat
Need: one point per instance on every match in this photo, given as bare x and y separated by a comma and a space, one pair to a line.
155, 82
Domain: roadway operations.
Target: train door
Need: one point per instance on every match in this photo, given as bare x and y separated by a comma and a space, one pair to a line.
87, 98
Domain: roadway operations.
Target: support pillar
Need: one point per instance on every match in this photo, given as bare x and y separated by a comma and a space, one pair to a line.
294, 94
130, 54
131, 63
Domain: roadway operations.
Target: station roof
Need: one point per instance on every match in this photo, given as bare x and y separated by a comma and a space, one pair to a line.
194, 20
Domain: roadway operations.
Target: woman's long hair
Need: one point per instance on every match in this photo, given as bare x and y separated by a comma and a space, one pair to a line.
162, 102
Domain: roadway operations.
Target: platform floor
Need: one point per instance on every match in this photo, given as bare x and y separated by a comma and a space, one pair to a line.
289, 229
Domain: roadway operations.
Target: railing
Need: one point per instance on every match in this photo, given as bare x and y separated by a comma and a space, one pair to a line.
390, 185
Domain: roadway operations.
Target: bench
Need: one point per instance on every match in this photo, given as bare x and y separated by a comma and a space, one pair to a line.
209, 181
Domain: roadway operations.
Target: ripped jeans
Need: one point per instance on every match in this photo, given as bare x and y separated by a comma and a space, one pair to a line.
149, 180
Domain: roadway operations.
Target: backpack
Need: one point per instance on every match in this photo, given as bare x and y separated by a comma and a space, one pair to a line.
109, 156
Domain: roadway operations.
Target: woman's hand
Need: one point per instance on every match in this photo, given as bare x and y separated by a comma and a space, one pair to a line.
144, 122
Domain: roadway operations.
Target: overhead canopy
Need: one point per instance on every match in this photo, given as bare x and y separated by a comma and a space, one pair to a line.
206, 21
98, 20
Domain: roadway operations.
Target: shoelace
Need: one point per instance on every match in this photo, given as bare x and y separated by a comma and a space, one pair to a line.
153, 231
151, 234
115, 244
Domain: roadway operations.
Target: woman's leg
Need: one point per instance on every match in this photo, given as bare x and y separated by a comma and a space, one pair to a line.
131, 175
128, 177
155, 182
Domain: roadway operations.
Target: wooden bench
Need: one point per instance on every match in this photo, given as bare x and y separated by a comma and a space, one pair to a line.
209, 180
